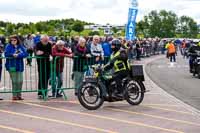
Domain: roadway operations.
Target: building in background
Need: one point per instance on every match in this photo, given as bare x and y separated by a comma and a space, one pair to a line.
107, 28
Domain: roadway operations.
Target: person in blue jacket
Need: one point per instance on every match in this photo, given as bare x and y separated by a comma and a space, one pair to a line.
107, 50
37, 38
14, 53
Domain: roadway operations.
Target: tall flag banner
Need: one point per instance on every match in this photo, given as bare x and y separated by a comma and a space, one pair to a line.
131, 25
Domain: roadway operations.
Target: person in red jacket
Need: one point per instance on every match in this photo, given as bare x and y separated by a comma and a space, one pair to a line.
59, 52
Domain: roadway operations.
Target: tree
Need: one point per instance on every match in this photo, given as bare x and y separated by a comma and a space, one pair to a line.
115, 30
187, 27
92, 33
2, 24
39, 27
85, 33
169, 21
53, 27
142, 28
162, 24
74, 33
10, 28
32, 28
19, 25
78, 26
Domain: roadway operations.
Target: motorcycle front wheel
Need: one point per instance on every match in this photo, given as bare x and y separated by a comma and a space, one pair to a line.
90, 96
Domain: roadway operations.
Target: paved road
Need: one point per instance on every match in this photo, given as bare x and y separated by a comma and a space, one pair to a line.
159, 113
176, 79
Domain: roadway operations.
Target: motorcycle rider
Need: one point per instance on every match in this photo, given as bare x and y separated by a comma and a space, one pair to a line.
192, 53
120, 65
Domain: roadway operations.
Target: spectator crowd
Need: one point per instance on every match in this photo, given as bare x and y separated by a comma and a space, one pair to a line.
81, 49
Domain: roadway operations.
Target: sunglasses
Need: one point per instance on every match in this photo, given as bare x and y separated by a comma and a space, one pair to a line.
13, 40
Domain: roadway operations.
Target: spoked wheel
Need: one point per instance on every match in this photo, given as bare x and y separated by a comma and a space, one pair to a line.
90, 96
134, 92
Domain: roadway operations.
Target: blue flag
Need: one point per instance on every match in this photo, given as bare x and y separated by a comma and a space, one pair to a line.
130, 27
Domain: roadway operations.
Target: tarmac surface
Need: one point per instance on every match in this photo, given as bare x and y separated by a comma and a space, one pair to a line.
176, 79
160, 112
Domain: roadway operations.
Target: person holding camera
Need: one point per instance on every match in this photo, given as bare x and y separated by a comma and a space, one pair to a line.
14, 53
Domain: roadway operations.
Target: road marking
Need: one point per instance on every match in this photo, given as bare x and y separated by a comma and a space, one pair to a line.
162, 105
161, 66
172, 66
158, 117
144, 105
56, 121
15, 129
171, 110
39, 101
76, 102
151, 93
172, 63
103, 117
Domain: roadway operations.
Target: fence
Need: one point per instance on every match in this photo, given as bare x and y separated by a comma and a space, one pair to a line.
44, 74
30, 75
48, 76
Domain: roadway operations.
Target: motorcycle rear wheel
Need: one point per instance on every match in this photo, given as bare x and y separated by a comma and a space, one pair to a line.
134, 94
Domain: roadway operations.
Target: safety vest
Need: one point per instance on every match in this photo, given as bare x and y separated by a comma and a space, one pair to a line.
167, 45
119, 65
199, 44
125, 46
171, 48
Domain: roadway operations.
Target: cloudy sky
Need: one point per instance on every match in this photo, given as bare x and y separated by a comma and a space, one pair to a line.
97, 11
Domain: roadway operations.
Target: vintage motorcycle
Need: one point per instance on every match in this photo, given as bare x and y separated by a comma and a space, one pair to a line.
98, 87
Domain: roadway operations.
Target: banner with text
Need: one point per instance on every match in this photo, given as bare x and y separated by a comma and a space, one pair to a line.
131, 25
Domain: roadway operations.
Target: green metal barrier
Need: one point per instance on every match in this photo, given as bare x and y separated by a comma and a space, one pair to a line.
69, 72
61, 75
30, 79
45, 75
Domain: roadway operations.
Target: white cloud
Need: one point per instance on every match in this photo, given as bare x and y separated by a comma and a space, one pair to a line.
97, 11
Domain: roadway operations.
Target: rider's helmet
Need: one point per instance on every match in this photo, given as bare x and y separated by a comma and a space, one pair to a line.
117, 44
